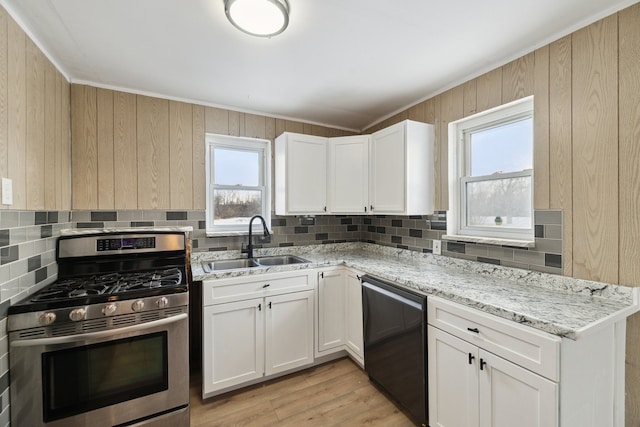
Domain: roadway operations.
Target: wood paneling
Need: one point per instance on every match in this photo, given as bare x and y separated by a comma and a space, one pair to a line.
629, 200
17, 112
560, 142
152, 132
469, 95
106, 167
50, 140
84, 147
216, 120
65, 164
3, 92
451, 109
489, 90
181, 155
517, 78
125, 150
255, 126
417, 112
35, 70
541, 129
595, 151
234, 122
198, 176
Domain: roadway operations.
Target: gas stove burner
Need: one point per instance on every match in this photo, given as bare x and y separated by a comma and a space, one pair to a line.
111, 283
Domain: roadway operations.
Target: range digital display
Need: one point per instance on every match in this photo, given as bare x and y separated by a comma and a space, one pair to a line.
126, 243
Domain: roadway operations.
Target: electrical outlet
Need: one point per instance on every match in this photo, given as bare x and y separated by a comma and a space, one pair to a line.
7, 191
437, 247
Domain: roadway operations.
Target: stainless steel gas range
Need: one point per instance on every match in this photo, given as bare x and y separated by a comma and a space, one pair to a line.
108, 343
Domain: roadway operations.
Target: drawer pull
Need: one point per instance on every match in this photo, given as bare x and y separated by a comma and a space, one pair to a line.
482, 363
474, 330
471, 357
266, 285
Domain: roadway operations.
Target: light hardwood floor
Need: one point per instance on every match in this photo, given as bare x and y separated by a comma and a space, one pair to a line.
338, 393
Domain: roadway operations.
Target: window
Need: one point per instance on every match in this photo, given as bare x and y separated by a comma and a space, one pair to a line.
491, 175
238, 183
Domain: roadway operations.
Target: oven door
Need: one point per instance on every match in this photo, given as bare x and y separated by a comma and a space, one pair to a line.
134, 374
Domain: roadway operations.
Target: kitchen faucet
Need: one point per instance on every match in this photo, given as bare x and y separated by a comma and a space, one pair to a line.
249, 249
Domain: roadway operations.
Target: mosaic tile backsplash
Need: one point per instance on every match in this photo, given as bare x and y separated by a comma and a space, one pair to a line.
407, 232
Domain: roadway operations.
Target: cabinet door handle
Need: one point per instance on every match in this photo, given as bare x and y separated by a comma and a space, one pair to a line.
482, 363
365, 209
325, 208
359, 277
259, 307
322, 275
269, 304
371, 207
474, 330
471, 357
266, 285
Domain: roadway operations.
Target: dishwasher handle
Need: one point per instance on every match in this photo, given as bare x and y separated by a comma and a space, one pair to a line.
392, 295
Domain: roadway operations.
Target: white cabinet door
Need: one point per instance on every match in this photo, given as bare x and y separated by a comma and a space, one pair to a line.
331, 310
301, 174
233, 344
349, 175
513, 396
388, 170
453, 380
402, 169
354, 330
289, 331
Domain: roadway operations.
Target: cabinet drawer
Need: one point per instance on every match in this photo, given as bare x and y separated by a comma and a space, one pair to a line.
532, 349
218, 291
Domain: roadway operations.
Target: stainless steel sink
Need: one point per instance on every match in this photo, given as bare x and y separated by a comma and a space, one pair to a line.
280, 260
228, 264
267, 261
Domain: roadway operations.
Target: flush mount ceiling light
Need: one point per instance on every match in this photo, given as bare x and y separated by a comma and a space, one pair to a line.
262, 18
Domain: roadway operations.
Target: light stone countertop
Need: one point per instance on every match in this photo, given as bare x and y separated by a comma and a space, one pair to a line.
559, 305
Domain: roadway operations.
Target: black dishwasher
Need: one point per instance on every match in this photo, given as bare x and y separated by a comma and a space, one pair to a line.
395, 343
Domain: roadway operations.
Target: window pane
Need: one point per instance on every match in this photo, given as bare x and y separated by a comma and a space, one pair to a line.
505, 148
232, 207
499, 203
236, 167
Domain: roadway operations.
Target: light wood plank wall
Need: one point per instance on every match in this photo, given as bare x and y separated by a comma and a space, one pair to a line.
34, 123
138, 152
586, 149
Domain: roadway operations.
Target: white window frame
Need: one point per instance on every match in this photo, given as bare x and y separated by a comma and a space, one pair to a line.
459, 176
263, 147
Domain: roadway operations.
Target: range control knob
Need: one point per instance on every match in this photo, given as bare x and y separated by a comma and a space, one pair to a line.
109, 309
47, 318
162, 302
137, 305
77, 314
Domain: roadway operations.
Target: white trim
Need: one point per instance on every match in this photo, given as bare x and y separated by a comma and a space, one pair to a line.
239, 143
458, 169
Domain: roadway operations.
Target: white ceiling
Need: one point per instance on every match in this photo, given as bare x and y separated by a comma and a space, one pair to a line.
343, 63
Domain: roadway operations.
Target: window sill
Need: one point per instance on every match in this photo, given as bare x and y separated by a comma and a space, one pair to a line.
491, 241
230, 233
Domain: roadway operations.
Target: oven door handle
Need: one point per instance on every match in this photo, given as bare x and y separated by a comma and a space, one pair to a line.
100, 334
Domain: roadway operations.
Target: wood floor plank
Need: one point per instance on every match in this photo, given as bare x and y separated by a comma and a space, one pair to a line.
337, 393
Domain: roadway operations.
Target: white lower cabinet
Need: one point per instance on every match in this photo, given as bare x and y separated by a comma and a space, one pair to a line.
354, 337
339, 325
269, 329
486, 371
472, 387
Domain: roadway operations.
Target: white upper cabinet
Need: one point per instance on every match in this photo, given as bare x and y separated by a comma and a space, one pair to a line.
388, 172
349, 175
401, 169
301, 174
